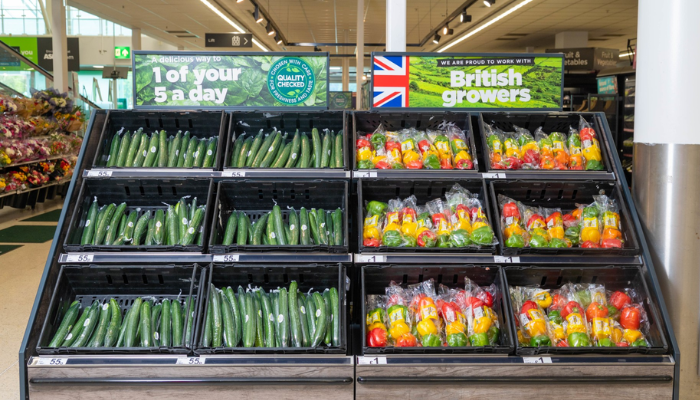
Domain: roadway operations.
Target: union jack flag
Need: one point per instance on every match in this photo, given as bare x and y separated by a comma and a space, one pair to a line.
390, 81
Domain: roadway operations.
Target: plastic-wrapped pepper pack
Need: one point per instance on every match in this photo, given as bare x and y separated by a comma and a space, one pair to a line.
580, 315
458, 221
579, 149
413, 149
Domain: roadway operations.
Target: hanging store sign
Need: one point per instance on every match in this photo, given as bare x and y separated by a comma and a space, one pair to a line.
588, 59
607, 85
467, 81
228, 40
233, 80
45, 50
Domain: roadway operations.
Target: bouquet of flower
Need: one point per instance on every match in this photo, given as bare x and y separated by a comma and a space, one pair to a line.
51, 101
7, 105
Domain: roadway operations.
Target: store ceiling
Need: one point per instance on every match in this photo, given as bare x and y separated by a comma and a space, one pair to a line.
609, 22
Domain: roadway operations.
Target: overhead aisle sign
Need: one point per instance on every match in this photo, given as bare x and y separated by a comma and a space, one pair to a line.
467, 81
261, 81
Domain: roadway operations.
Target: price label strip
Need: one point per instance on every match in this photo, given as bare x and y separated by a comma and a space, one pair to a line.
363, 360
233, 174
191, 361
79, 258
52, 361
370, 259
365, 174
99, 173
227, 258
494, 175
506, 260
537, 360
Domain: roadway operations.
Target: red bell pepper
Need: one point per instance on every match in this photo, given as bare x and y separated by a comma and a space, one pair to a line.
376, 338
426, 238
612, 244
363, 143
511, 210
563, 343
527, 306
371, 243
630, 318
589, 245
445, 163
465, 164
558, 302
382, 165
571, 307
406, 340
620, 299
474, 302
622, 344
417, 164
536, 221
569, 220
486, 297
392, 146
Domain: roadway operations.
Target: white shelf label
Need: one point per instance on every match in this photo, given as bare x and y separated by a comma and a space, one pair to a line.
368, 259
537, 360
99, 173
191, 361
79, 258
494, 175
362, 360
506, 260
52, 361
233, 174
364, 174
227, 258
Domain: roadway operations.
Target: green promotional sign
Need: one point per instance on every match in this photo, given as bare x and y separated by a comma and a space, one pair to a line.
232, 80
122, 53
467, 81
340, 100
27, 46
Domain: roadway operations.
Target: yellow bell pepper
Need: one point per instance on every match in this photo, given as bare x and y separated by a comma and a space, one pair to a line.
558, 332
521, 339
611, 219
592, 151
543, 299
575, 323
631, 335
530, 146
398, 328
409, 228
513, 229
590, 234
617, 335
455, 327
409, 156
376, 325
392, 227
489, 313
556, 232
600, 328
512, 149
462, 155
482, 325
364, 154
426, 327
378, 159
536, 327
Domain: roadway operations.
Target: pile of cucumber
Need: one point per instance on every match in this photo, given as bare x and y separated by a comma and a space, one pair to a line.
111, 225
281, 318
160, 151
308, 228
145, 324
322, 150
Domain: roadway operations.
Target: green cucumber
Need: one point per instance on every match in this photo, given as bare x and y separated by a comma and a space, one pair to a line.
235, 153
329, 229
189, 320
132, 323
331, 151
283, 317
306, 339
174, 150
176, 321
88, 326
259, 329
152, 150
163, 153
211, 153
335, 317
305, 152
159, 229
236, 313
122, 226
270, 230
151, 232
254, 148
293, 228
227, 318
141, 151
338, 152
314, 227
101, 229
325, 150
329, 315
193, 227
200, 153
231, 225
123, 152
165, 335
113, 151
145, 328
274, 299
304, 228
215, 304
338, 227
66, 324
182, 153
243, 223
182, 219
249, 320
311, 316
77, 328
322, 229
122, 329
321, 323
99, 336
115, 322
316, 140
141, 227
284, 156
155, 320
132, 147
294, 152
245, 149
294, 322
269, 320
89, 228
206, 336
265, 148
113, 229
258, 230
130, 226
272, 151
190, 154
278, 225
287, 234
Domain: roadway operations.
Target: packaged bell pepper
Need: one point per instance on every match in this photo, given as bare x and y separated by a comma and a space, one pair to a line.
529, 150
482, 322
431, 159
555, 224
440, 215
453, 317
425, 237
535, 225
546, 151
392, 148
590, 225
511, 223
494, 140
399, 317
409, 217
442, 144
372, 226
391, 235
428, 323
574, 145
482, 233
590, 147
560, 150
375, 321
409, 149
513, 156
364, 153
461, 158
612, 235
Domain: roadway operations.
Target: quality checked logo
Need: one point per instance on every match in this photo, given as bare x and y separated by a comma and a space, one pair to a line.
291, 80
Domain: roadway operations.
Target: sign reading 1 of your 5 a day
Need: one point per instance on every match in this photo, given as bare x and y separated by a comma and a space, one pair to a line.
237, 80
467, 81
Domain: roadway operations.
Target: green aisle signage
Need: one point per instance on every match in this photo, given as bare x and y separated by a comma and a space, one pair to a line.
467, 81
227, 79
122, 53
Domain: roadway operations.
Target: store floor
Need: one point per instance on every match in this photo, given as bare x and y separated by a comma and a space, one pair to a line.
23, 250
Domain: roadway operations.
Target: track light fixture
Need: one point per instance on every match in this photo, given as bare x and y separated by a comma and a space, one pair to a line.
447, 31
239, 1
436, 39
489, 3
256, 15
278, 39
270, 30
464, 17
316, 48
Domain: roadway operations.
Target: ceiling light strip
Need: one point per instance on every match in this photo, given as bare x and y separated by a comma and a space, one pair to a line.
484, 26
233, 24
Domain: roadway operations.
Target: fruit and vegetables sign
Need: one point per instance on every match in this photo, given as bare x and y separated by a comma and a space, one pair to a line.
466, 81
234, 80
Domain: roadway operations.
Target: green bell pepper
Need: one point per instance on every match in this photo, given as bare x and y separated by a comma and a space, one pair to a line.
365, 164
457, 340
409, 241
515, 240
431, 162
378, 140
573, 233
545, 142
444, 241
493, 334
558, 243
540, 341
392, 239
612, 310
479, 339
594, 165
584, 297
397, 166
460, 238
578, 339
605, 342
491, 140
640, 343
590, 212
376, 208
555, 317
574, 140
397, 312
482, 236
431, 340
537, 241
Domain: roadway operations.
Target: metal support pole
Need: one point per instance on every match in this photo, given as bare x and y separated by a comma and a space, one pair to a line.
135, 39
666, 180
396, 25
360, 63
115, 100
60, 45
346, 67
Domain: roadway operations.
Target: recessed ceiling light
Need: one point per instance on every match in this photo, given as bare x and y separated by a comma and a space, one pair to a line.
98, 66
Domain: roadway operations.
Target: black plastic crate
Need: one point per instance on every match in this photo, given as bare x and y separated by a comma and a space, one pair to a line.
86, 283
374, 280
143, 194
424, 190
287, 121
202, 124
564, 195
257, 197
550, 122
271, 277
614, 278
365, 122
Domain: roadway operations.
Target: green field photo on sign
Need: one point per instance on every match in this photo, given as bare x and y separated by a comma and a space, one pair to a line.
212, 80
450, 82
